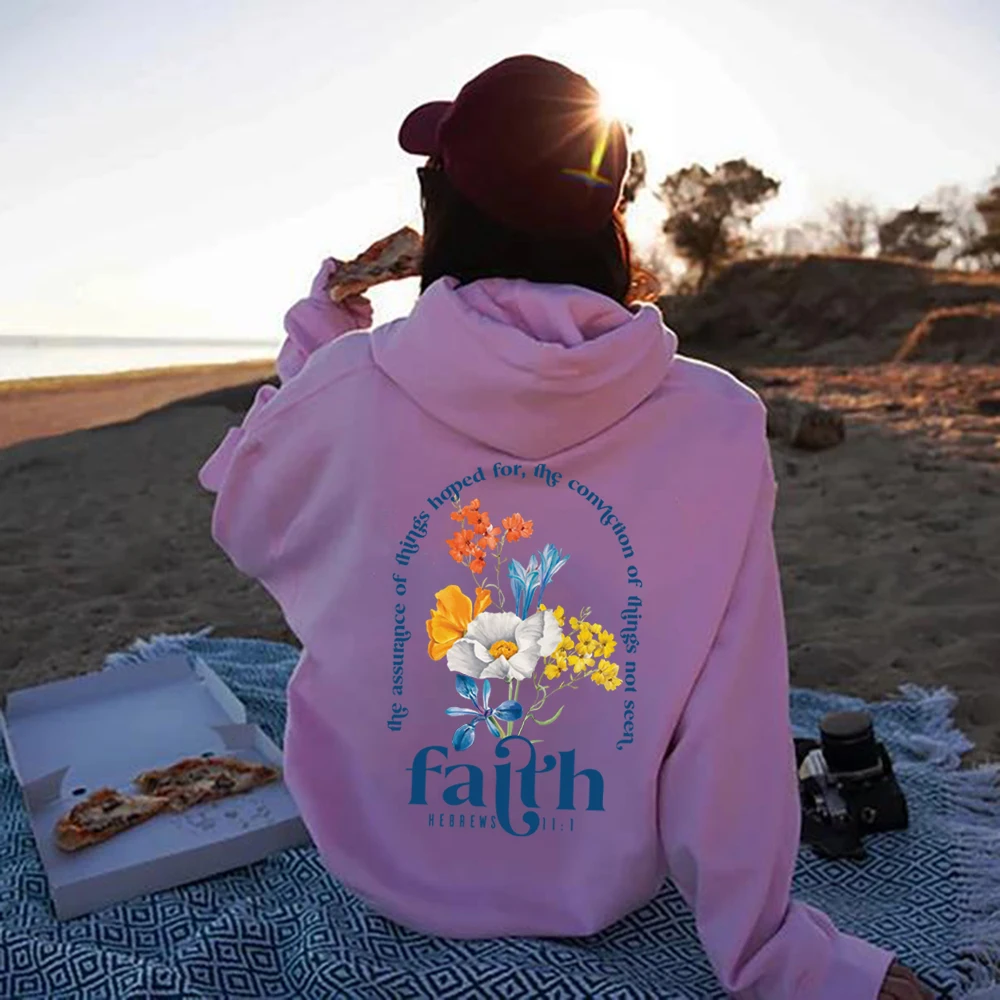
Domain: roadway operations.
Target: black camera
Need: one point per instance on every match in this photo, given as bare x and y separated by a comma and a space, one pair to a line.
847, 786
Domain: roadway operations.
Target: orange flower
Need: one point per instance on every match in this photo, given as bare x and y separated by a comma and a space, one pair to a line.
490, 538
479, 521
460, 545
517, 527
451, 617
483, 601
466, 512
478, 564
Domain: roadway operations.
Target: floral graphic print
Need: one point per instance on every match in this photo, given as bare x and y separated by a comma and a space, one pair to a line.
480, 644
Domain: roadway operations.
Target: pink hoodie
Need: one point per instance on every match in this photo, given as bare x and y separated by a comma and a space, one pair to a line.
655, 743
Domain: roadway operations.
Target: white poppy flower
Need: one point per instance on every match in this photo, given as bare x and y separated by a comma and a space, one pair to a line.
499, 644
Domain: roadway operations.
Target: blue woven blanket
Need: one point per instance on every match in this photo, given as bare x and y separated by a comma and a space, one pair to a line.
285, 928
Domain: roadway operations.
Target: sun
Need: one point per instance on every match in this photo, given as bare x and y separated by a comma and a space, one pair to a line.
615, 104
627, 79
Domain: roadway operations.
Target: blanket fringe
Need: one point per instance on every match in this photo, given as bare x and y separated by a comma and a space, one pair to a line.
143, 650
975, 821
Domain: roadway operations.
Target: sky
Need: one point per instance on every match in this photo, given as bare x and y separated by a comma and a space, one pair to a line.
180, 168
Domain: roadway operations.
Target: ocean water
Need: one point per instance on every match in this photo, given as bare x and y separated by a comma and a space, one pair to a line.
42, 356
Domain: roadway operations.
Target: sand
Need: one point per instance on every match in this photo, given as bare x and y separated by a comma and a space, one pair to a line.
889, 543
42, 407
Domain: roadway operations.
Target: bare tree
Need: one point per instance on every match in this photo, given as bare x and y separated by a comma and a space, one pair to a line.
805, 238
852, 226
709, 213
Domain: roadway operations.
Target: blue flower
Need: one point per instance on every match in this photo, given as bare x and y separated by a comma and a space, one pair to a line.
552, 561
506, 711
524, 582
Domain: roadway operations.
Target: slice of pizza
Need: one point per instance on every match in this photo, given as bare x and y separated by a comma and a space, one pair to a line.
104, 814
396, 256
203, 779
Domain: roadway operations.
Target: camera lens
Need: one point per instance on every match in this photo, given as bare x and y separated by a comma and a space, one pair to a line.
848, 740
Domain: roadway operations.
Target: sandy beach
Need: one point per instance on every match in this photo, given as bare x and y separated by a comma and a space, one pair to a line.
889, 543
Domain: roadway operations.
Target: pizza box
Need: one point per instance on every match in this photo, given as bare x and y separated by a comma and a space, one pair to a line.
68, 738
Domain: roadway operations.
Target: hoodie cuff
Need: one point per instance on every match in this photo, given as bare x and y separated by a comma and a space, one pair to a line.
856, 972
213, 473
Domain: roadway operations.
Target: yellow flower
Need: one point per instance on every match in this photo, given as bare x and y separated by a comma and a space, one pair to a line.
574, 623
606, 674
580, 663
451, 617
554, 669
565, 643
559, 613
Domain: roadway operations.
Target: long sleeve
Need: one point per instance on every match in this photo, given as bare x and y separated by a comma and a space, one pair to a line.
256, 502
729, 807
255, 467
316, 320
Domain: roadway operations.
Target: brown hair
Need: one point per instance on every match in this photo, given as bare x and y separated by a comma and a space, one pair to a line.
462, 242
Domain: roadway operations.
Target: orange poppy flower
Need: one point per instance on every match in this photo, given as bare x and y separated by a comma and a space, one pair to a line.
451, 617
490, 538
479, 521
460, 544
517, 527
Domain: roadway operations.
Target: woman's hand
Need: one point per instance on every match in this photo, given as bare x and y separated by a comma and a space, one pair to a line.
901, 984
316, 320
358, 306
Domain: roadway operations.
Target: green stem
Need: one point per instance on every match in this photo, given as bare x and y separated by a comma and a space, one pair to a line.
540, 704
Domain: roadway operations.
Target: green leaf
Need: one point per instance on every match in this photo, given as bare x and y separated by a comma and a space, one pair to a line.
538, 741
548, 722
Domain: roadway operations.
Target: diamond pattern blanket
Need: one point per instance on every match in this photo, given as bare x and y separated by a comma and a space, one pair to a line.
285, 928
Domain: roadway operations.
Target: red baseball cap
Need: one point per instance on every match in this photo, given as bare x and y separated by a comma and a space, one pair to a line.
525, 143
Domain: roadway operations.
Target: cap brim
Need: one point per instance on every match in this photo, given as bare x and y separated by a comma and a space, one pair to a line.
419, 131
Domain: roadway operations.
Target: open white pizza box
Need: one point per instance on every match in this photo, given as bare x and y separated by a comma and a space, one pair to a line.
68, 738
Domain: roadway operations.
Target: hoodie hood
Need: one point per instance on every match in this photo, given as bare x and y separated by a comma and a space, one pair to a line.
525, 368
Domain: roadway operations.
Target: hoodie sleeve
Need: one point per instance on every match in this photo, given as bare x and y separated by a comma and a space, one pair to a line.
256, 501
316, 320
241, 525
729, 806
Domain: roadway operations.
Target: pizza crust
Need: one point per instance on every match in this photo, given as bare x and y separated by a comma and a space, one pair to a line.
389, 259
102, 815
